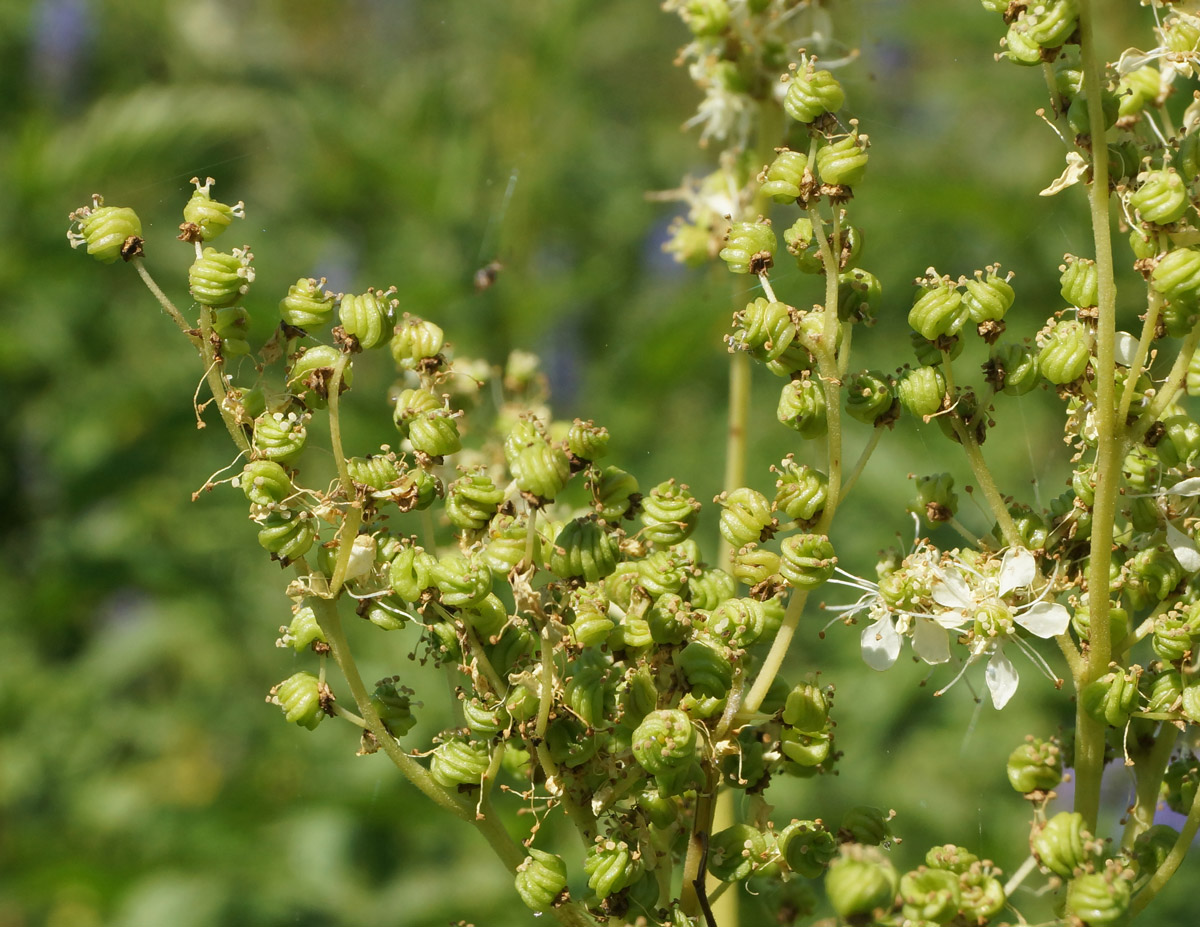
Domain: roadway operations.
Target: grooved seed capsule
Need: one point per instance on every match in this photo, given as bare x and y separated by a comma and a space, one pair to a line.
459, 762
615, 493
377, 471
1112, 698
1036, 765
801, 491
1013, 368
587, 440
1099, 899
368, 317
108, 232
287, 537
764, 329
869, 397
745, 516
807, 847
462, 582
843, 162
988, 298
300, 698
583, 550
307, 304
921, 390
706, 668
1161, 197
278, 437
218, 278
1177, 274
806, 560
938, 308
802, 407
205, 218
540, 469
1064, 356
311, 374
411, 572
1080, 282
265, 482
1061, 845
784, 176
930, 895
736, 852
858, 883
1050, 23
811, 93
859, 292
664, 741
541, 878
669, 514
302, 632
415, 340
472, 500
749, 248
231, 324
611, 866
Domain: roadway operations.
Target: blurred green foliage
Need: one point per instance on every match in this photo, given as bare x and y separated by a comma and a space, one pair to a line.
142, 779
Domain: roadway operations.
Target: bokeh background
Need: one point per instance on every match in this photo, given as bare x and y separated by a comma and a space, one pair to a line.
143, 781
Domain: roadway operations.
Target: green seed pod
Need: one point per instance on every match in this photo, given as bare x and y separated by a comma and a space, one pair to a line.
485, 720
288, 537
736, 852
587, 692
982, 896
1189, 702
1177, 275
611, 866
936, 499
802, 407
843, 163
1178, 317
930, 895
807, 847
571, 742
807, 751
806, 709
706, 667
669, 514
1141, 469
661, 573
368, 317
1150, 576
615, 493
539, 468
637, 696
800, 491
1064, 356
523, 700
265, 483
988, 299
858, 883
951, 858
1166, 693
1173, 637
109, 232
661, 810
929, 354
1061, 845
1050, 23
303, 631
938, 308
764, 329
587, 440
865, 824
1188, 157
220, 279
1099, 899
472, 501
1182, 447
1137, 89
784, 177
745, 516
393, 704
231, 324
632, 632
803, 245
435, 434
411, 573
488, 616
749, 248
204, 218
410, 404
664, 741
1013, 368
508, 539
1019, 47
541, 879
584, 550
311, 374
1180, 783
753, 565
921, 390
1161, 197
1112, 698
459, 762
869, 398
1035, 765
592, 625
385, 612
859, 292
710, 587
806, 560
1077, 112
812, 93
415, 341
307, 304
300, 698
737, 623
463, 582
1192, 382
1150, 851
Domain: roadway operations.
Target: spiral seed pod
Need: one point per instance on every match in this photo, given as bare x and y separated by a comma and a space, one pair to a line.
1150, 851
1034, 766
737, 852
587, 692
1051, 22
1013, 368
410, 404
1099, 899
288, 537
951, 858
988, 298
745, 516
802, 244
415, 341
587, 440
311, 374
661, 810
710, 588
865, 824
1177, 275
921, 390
1166, 693
632, 632
1079, 283
669, 514
930, 895
218, 278
806, 709
784, 177
812, 93
584, 551
541, 879
764, 329
485, 720
412, 572
307, 305
385, 612
615, 493
1189, 702
472, 500
664, 741
540, 469
1064, 356
462, 582
1173, 638
929, 354
1161, 197
394, 704
869, 398
983, 896
1061, 845
368, 317
637, 696
459, 762
205, 218
749, 248
800, 491
488, 616
1151, 576
376, 471
1019, 48
737, 623
507, 541
858, 883
936, 498
303, 631
706, 667
753, 565
843, 163
938, 308
661, 573
1180, 783
571, 742
1182, 447
807, 847
265, 483
435, 434
1112, 698
806, 560
300, 698
108, 232
592, 625
611, 866
859, 292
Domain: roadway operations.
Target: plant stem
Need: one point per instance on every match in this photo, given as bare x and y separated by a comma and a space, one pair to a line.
168, 307
214, 375
1169, 865
1148, 774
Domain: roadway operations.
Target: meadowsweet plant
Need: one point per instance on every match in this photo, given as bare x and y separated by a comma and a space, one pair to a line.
607, 669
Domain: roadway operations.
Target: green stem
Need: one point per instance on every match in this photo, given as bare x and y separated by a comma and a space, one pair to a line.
872, 443
1148, 774
987, 485
735, 436
168, 307
214, 375
1172, 862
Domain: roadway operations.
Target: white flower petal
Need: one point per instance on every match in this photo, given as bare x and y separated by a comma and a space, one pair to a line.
1076, 169
1017, 570
880, 644
931, 642
1125, 349
1189, 487
1001, 677
952, 591
1183, 548
953, 619
1045, 619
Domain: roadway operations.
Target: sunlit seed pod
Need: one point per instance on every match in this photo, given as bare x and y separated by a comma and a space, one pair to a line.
1019, 46
265, 483
300, 698
435, 434
806, 560
1064, 356
784, 176
310, 376
1178, 317
288, 537
507, 542
611, 866
472, 500
208, 217
1172, 639
1099, 899
802, 407
1166, 692
614, 493
303, 631
483, 719
459, 762
702, 707
950, 858
710, 587
669, 514
1138, 89
1013, 368
414, 340
988, 298
1036, 765
368, 317
219, 278
806, 709
857, 883
411, 573
664, 740
307, 305
764, 329
745, 516
107, 232
522, 701
1151, 576
706, 667
869, 397
591, 625
802, 244
866, 824
1062, 843
929, 895
587, 691
753, 565
632, 632
1112, 698
583, 550
540, 469
737, 623
737, 852
938, 309
746, 769
1141, 469
859, 294
936, 499
462, 582
1151, 850
541, 879
1161, 197
1050, 23
807, 751
512, 649
487, 616
812, 93
749, 248
807, 847
417, 490
637, 696
661, 572
843, 162
983, 896
378, 471
1177, 274
587, 440
1189, 702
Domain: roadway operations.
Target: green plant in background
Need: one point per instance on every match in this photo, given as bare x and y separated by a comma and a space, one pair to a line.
605, 668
